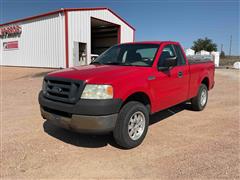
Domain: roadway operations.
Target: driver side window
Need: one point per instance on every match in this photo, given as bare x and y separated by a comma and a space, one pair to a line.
168, 52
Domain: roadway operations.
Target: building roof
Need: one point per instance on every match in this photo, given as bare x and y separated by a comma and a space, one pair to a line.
67, 10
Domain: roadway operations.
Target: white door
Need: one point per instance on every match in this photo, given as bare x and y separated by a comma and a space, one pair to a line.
76, 54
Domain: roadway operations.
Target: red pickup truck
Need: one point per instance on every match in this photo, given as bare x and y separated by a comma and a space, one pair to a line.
120, 89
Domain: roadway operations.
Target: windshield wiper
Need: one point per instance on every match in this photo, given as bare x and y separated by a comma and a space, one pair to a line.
95, 62
113, 63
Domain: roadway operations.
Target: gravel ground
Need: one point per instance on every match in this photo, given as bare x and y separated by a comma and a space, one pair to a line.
180, 143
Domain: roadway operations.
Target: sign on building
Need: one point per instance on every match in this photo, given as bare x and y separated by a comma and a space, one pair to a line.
10, 45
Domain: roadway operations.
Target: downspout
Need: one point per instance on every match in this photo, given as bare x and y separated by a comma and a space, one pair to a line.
65, 12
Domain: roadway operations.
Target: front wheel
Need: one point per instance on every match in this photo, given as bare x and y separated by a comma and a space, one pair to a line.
200, 101
132, 125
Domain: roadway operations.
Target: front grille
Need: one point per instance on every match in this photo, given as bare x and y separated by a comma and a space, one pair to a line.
63, 90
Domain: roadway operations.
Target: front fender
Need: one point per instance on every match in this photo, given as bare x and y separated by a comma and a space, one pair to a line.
139, 86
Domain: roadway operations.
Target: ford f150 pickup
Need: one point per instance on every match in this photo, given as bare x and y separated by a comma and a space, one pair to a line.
120, 89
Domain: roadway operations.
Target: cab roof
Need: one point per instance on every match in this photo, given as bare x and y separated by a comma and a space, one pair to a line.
152, 42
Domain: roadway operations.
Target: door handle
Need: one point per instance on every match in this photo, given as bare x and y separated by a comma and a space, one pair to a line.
180, 74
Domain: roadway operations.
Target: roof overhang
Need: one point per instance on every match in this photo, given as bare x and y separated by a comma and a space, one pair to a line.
67, 10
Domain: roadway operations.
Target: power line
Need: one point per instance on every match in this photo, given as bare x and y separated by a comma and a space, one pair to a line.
230, 47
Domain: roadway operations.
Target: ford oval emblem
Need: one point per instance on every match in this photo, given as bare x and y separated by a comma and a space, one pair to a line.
57, 89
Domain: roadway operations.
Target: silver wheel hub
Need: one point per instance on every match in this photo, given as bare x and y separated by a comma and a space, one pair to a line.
136, 125
203, 98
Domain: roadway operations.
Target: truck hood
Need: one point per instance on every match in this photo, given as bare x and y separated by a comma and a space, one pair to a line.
98, 73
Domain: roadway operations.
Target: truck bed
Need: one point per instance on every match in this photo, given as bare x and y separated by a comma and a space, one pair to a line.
197, 59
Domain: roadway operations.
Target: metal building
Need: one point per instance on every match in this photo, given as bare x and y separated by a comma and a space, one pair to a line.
62, 38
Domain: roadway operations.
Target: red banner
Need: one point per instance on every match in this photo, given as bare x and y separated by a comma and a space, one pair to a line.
10, 45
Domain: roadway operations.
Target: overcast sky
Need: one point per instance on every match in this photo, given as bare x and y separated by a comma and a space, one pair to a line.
183, 21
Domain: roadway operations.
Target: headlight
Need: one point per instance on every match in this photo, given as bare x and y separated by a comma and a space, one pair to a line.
94, 91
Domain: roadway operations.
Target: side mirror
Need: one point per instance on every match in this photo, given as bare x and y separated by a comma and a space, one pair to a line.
168, 64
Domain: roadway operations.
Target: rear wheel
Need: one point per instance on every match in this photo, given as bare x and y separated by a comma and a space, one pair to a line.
200, 101
132, 125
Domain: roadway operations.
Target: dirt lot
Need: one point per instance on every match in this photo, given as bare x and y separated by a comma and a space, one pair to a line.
180, 143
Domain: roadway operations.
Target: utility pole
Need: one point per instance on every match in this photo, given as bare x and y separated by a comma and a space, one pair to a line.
230, 47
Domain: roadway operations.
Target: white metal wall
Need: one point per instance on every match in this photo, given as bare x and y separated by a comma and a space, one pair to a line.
41, 44
80, 29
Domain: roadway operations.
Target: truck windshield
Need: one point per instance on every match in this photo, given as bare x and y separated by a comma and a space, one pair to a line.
129, 55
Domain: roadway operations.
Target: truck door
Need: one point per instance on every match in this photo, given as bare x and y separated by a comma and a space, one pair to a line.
171, 85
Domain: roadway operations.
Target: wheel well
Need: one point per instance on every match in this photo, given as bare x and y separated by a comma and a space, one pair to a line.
140, 97
206, 82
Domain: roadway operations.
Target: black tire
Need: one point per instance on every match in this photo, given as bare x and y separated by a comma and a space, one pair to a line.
120, 133
196, 101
